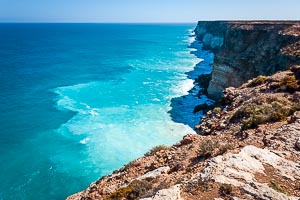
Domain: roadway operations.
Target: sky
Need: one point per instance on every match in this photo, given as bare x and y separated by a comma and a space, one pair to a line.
146, 10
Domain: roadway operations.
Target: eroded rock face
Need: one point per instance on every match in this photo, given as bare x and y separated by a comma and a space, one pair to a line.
244, 50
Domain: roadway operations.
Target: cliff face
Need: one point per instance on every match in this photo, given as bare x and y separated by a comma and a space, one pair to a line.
244, 50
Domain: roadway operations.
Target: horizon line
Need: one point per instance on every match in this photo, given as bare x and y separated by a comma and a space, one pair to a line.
87, 22
78, 22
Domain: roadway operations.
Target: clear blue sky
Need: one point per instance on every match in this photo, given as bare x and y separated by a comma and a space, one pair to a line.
145, 10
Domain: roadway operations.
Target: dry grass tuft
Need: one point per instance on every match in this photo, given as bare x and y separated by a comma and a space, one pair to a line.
156, 149
132, 191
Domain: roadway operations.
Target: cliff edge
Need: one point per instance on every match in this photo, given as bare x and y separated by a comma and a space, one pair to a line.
246, 49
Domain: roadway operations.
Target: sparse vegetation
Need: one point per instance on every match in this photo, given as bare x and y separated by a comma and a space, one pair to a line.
206, 148
264, 109
225, 189
178, 166
223, 149
258, 81
287, 83
195, 186
274, 186
130, 165
290, 83
163, 185
156, 149
216, 110
132, 191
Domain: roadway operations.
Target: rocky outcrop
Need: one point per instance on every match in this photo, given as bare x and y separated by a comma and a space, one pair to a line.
240, 169
250, 151
244, 50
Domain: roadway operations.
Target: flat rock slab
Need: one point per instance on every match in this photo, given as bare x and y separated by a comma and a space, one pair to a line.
240, 169
172, 193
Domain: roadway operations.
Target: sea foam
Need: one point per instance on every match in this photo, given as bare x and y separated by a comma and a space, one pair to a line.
121, 119
109, 101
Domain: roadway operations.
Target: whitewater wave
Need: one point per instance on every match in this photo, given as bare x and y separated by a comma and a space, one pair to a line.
118, 121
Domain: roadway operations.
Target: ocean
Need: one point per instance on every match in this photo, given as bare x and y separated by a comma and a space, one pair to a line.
78, 101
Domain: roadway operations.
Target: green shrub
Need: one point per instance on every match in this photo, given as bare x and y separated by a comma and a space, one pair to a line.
258, 81
216, 110
132, 191
287, 83
290, 83
206, 148
263, 110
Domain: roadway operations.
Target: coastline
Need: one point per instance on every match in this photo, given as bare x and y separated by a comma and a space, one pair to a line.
87, 97
191, 107
228, 162
195, 168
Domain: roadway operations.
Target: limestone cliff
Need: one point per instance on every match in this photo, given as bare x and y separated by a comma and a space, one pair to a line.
244, 50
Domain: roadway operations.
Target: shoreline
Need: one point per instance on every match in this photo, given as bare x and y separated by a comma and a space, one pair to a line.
188, 109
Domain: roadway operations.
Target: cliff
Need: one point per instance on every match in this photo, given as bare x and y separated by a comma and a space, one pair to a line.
244, 50
250, 149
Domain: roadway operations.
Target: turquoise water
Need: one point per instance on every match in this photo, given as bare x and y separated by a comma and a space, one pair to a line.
80, 100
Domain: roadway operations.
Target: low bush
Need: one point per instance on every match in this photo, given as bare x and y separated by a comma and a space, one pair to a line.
225, 189
217, 110
224, 148
290, 83
156, 149
258, 81
287, 83
131, 192
264, 109
196, 186
207, 148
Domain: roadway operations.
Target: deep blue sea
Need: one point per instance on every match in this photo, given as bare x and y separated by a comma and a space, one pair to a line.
78, 101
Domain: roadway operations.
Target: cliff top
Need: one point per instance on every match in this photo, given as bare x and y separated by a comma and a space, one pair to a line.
284, 27
288, 29
249, 149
